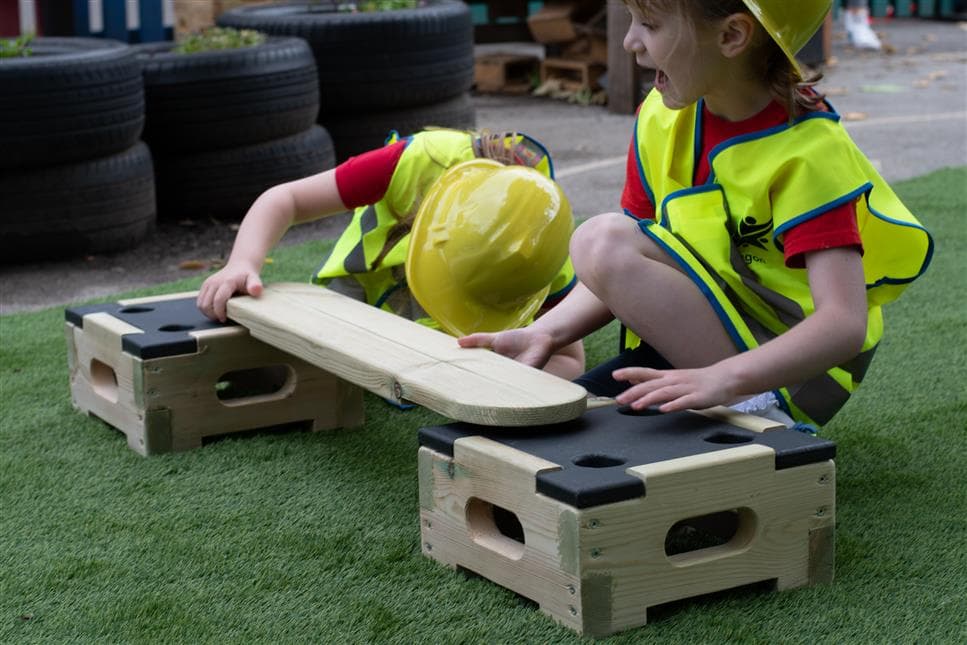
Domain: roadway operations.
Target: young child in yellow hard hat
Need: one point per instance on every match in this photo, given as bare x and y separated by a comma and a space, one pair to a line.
758, 244
457, 230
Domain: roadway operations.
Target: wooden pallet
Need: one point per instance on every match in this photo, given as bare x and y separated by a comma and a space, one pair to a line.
404, 361
160, 372
505, 73
574, 75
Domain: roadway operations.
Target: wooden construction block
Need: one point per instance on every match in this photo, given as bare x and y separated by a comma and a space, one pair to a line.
505, 73
552, 24
574, 74
167, 377
611, 514
403, 360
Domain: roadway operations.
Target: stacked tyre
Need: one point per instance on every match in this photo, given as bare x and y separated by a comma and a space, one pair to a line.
74, 176
400, 70
225, 125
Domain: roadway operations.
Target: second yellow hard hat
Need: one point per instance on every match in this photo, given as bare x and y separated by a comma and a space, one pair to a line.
485, 245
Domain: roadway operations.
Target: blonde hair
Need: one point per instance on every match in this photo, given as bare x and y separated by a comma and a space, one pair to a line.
798, 95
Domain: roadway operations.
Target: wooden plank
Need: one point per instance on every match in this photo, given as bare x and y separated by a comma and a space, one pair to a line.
403, 360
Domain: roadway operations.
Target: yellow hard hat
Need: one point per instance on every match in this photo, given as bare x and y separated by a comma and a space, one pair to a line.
791, 23
485, 245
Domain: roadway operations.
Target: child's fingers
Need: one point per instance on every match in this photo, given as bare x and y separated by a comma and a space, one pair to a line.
220, 300
480, 339
635, 374
253, 286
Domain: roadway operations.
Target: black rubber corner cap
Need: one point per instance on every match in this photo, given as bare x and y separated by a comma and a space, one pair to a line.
165, 325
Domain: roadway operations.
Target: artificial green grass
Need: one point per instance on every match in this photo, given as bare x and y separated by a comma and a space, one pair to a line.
314, 537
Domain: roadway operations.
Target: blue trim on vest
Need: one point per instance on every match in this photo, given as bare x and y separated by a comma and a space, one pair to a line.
926, 260
783, 402
641, 170
547, 155
819, 210
560, 293
697, 140
761, 134
644, 225
691, 190
386, 294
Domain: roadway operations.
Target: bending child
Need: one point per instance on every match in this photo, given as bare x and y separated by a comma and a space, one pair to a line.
758, 243
490, 232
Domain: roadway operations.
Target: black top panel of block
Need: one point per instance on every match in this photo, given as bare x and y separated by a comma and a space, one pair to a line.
165, 324
595, 449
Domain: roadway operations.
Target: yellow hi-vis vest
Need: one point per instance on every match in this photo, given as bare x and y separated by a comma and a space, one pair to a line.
726, 234
349, 267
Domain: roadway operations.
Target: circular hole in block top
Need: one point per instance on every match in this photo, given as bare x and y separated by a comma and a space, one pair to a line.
104, 381
136, 309
255, 385
495, 528
650, 411
597, 461
730, 436
176, 327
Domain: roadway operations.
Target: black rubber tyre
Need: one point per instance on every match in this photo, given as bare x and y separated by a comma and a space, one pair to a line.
93, 206
355, 134
71, 99
375, 60
227, 98
224, 183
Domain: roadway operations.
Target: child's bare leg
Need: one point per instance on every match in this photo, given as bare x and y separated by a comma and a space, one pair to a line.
647, 291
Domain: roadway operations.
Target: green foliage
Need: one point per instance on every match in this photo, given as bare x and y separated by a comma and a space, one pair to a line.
367, 6
215, 38
16, 48
292, 537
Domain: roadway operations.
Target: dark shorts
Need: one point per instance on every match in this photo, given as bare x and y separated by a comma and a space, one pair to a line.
599, 381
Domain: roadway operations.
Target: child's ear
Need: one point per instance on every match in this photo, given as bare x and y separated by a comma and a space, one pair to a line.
736, 34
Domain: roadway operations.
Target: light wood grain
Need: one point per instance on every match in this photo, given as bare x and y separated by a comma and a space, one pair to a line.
172, 403
598, 570
403, 360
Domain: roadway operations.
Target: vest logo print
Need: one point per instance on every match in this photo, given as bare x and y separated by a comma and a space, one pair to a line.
752, 233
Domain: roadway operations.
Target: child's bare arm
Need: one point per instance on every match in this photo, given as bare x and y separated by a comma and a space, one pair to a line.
554, 336
264, 225
567, 362
832, 335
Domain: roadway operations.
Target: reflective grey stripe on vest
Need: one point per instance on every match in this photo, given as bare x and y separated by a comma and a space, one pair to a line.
355, 261
820, 397
786, 309
858, 366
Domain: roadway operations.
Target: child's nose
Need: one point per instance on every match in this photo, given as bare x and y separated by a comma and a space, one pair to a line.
632, 42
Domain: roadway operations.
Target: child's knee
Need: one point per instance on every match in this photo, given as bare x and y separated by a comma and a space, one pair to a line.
596, 239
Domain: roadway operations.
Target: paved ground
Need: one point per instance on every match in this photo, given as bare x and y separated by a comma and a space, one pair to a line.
906, 107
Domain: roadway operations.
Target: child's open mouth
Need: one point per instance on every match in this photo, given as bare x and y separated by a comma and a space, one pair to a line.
661, 80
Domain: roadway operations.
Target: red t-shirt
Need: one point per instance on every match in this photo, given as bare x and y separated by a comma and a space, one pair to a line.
364, 179
834, 228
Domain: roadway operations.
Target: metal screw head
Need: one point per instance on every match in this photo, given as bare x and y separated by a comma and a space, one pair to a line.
572, 610
595, 552
427, 546
397, 390
571, 590
593, 524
